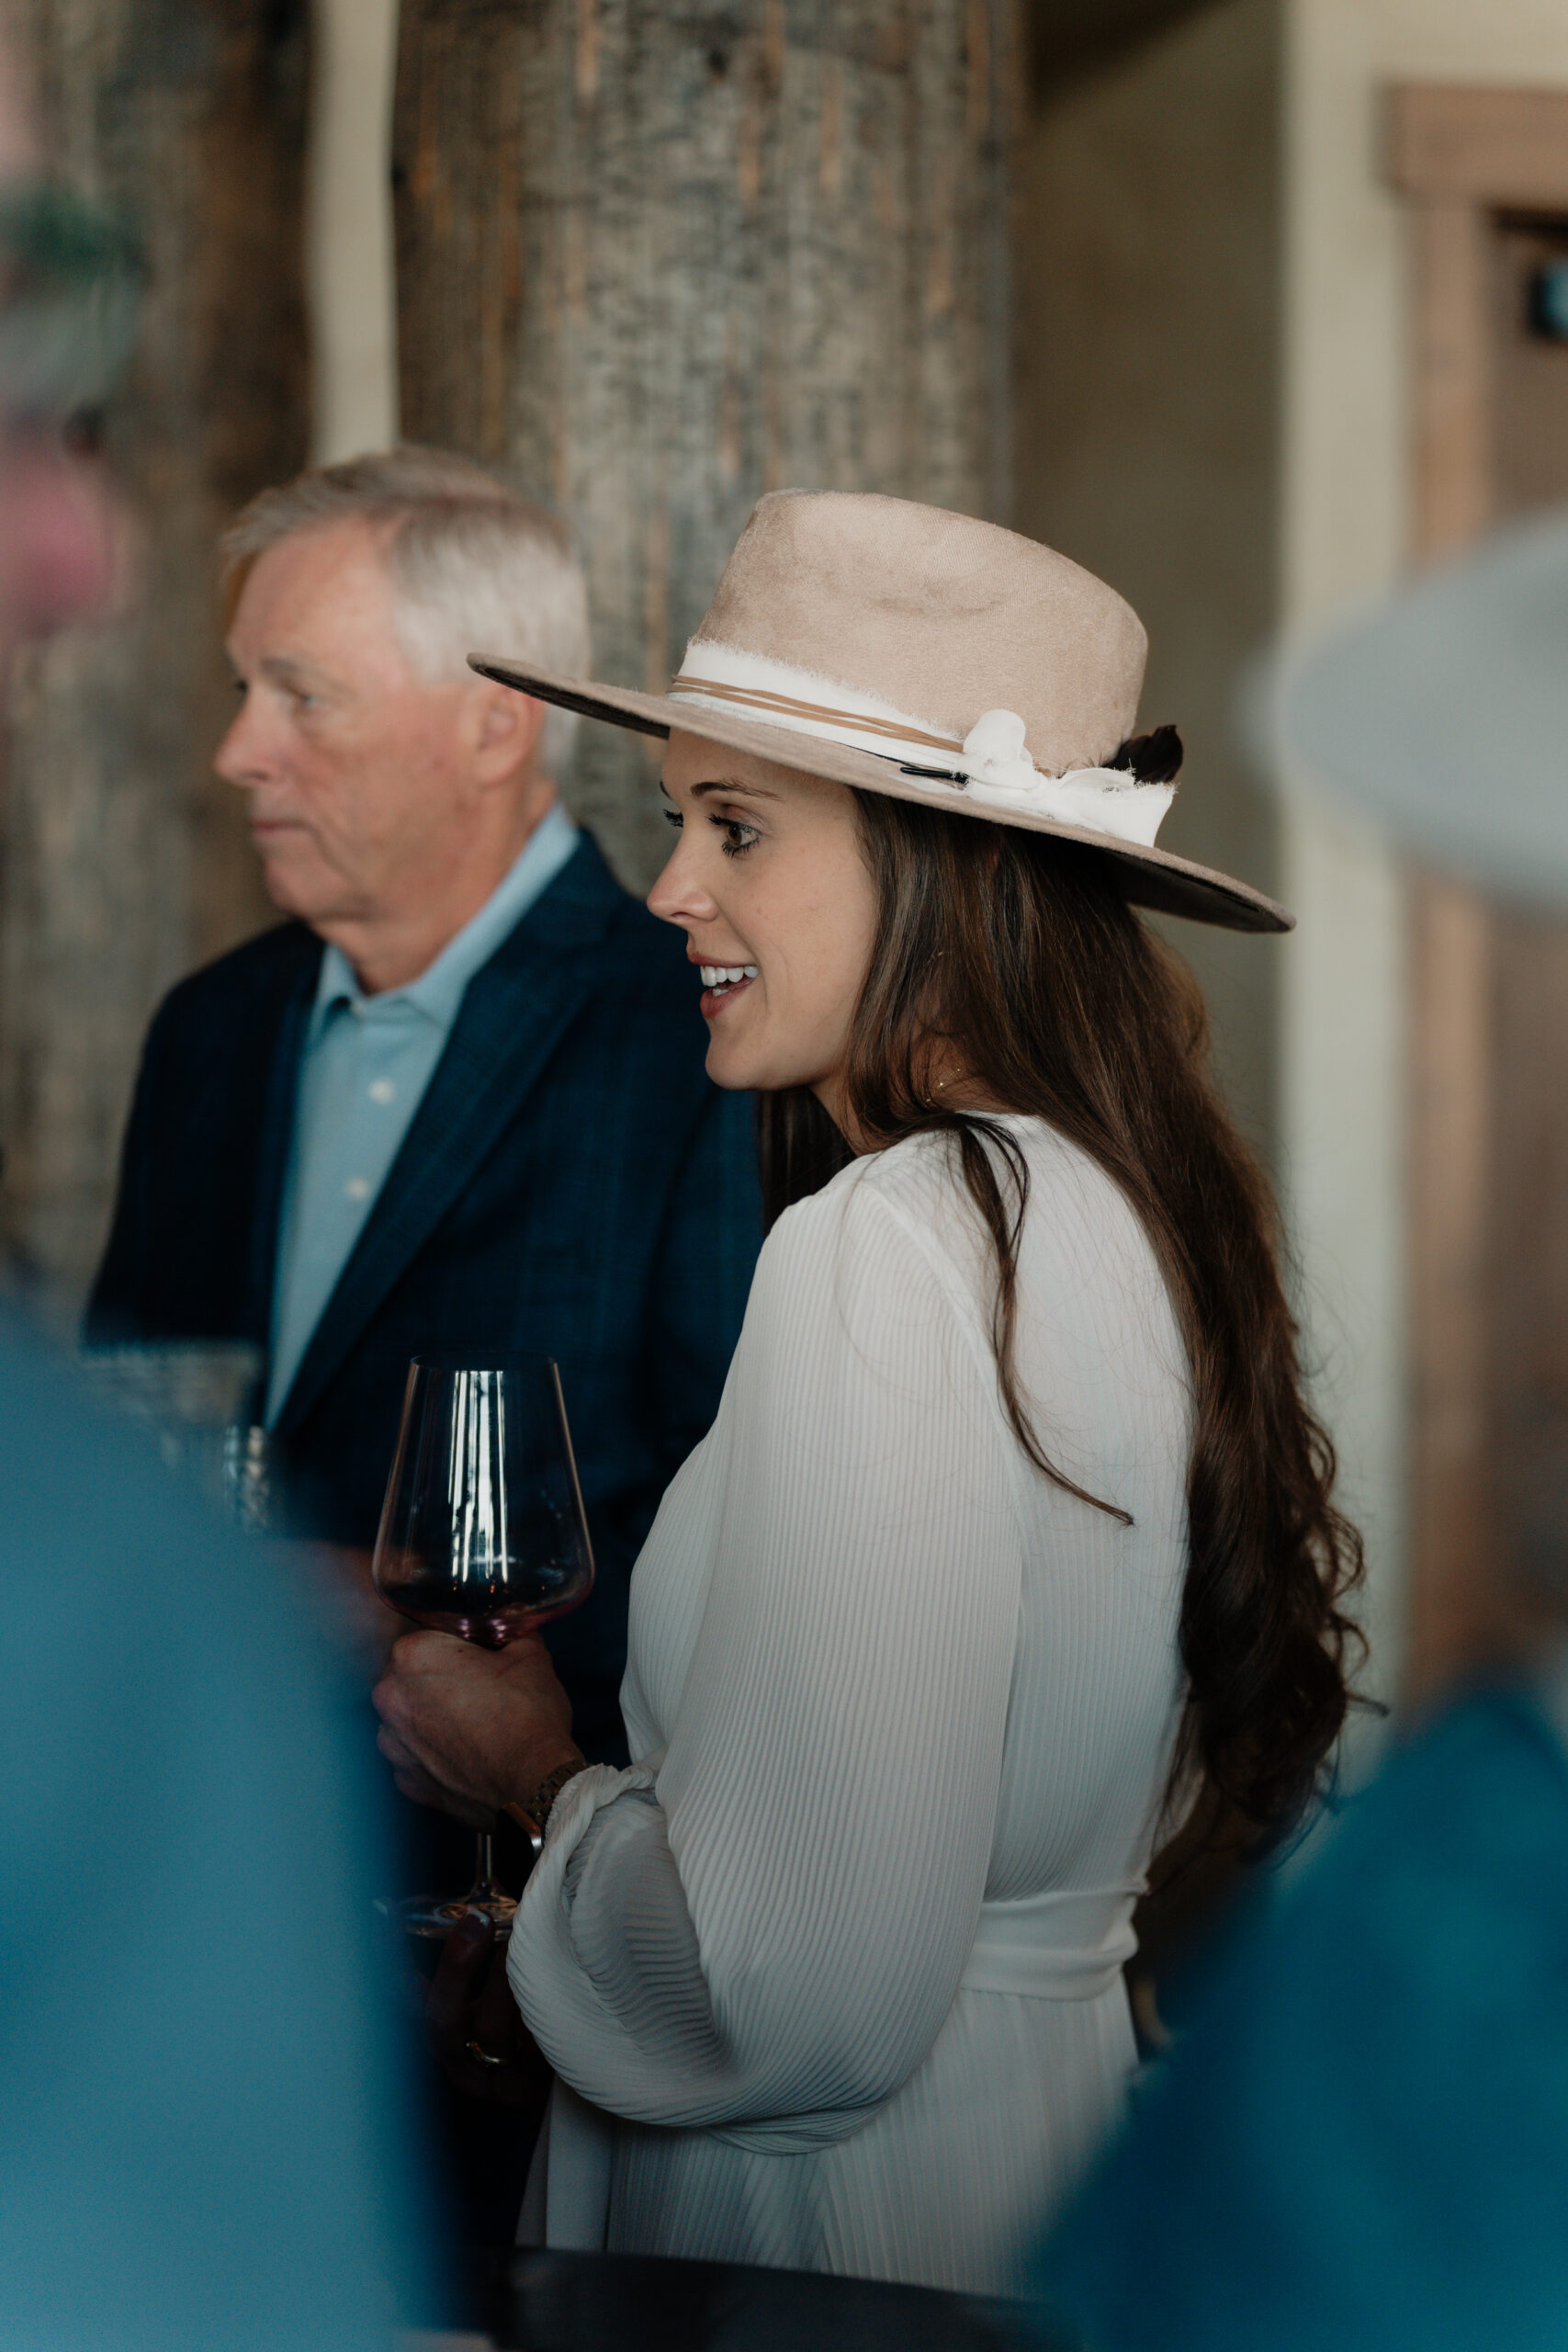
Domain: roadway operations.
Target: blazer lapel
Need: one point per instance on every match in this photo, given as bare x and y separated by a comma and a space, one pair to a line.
276, 1135
511, 1020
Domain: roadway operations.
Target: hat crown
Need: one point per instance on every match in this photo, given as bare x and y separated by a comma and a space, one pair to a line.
940, 615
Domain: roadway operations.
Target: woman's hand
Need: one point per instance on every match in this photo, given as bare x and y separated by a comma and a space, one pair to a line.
469, 1730
483, 2048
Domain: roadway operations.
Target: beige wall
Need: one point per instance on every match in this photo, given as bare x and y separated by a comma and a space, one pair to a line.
1345, 529
349, 255
1148, 272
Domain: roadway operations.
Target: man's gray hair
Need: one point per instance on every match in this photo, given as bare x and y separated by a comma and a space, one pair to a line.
475, 567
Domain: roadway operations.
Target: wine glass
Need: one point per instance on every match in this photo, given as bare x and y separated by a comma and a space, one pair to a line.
482, 1533
199, 1400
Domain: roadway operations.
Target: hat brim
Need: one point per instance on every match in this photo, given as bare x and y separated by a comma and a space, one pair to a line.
1151, 878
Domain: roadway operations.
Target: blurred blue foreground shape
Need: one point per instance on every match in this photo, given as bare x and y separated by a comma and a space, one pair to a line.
1361, 2139
202, 2139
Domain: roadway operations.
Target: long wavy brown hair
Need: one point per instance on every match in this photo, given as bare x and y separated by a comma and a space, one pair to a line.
1017, 959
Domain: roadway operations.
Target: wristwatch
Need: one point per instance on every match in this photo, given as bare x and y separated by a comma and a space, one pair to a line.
535, 1816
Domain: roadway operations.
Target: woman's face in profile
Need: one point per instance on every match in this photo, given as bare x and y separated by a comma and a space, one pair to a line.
770, 884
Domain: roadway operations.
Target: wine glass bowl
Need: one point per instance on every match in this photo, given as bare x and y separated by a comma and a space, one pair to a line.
482, 1535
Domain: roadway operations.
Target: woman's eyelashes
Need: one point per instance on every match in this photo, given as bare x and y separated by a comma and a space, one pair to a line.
738, 836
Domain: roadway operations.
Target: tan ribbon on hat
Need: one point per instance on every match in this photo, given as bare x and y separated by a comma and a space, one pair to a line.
765, 703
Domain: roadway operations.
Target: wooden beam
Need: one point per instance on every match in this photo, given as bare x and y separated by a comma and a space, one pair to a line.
1498, 147
1454, 490
125, 860
1448, 1189
1464, 155
652, 263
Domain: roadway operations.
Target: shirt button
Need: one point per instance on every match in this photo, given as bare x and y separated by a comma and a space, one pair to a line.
357, 1188
381, 1090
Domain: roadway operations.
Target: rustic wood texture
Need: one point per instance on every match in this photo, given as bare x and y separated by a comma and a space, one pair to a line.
125, 860
651, 265
1488, 1185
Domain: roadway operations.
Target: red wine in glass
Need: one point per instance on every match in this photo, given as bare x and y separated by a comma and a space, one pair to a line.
482, 1535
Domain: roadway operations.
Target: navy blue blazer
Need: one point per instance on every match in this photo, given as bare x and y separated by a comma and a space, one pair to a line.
571, 1184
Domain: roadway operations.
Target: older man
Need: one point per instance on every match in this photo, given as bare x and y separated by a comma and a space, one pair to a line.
458, 1101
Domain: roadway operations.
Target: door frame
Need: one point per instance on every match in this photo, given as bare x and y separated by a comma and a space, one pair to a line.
1459, 155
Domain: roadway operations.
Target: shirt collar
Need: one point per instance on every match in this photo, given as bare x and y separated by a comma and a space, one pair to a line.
438, 991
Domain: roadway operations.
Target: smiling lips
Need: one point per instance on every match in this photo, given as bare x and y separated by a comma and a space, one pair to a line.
722, 981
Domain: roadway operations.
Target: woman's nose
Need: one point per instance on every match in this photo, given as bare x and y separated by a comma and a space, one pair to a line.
679, 895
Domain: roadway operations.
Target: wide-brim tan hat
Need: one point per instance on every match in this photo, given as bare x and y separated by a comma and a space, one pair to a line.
907, 651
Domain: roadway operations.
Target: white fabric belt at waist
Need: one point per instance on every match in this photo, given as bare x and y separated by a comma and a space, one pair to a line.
1058, 1947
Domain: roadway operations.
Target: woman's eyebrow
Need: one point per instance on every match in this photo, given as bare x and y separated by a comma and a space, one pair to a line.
731, 784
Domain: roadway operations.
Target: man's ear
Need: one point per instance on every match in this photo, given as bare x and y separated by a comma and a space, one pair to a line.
507, 728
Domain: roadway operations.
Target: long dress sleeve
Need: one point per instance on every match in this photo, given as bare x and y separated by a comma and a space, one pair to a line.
762, 1929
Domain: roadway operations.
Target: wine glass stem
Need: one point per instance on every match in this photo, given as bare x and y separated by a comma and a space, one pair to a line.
484, 1888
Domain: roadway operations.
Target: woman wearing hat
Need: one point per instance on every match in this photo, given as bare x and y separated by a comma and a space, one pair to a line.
1014, 1529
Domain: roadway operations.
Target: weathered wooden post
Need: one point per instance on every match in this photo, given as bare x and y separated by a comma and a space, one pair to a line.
125, 861
654, 263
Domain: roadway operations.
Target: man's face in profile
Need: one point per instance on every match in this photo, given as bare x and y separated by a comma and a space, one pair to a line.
359, 773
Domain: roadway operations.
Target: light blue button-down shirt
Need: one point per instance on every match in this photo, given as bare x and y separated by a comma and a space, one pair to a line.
367, 1062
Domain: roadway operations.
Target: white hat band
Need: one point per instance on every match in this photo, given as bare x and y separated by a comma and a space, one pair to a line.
990, 765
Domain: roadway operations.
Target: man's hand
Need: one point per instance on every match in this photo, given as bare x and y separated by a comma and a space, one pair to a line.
471, 1730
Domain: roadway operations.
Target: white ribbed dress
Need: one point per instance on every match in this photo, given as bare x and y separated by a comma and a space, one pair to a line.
831, 1977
